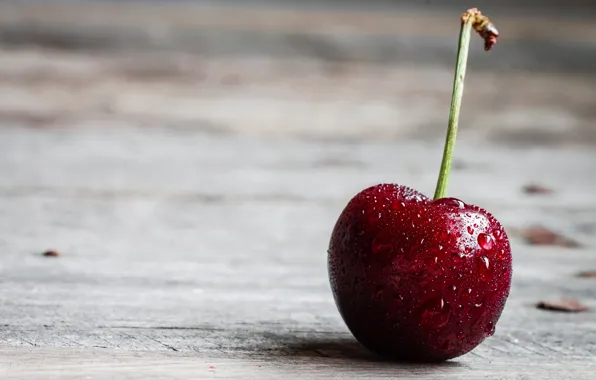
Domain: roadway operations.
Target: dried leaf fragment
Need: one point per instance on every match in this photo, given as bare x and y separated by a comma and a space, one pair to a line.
587, 274
563, 305
545, 236
51, 253
533, 188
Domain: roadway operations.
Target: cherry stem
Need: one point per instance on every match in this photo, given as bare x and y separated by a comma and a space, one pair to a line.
471, 19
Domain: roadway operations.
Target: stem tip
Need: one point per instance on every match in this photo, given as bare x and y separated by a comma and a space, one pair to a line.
483, 26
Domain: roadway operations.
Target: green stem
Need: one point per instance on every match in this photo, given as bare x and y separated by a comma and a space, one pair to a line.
456, 97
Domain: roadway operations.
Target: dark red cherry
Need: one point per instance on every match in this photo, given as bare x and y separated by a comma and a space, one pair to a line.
417, 279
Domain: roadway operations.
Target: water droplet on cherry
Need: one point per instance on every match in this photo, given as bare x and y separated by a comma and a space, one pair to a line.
436, 313
470, 230
490, 329
486, 241
502, 254
453, 202
485, 261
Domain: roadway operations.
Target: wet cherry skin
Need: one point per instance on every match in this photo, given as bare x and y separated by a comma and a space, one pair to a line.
417, 279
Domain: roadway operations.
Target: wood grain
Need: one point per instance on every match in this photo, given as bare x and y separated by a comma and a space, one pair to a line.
185, 250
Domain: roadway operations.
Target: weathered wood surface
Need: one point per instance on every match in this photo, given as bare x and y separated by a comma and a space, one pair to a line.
192, 200
210, 250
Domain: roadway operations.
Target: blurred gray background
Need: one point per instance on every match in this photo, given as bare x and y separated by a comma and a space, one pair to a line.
386, 63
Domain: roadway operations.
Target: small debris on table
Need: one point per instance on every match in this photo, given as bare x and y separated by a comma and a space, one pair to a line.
545, 236
587, 274
563, 305
51, 253
533, 188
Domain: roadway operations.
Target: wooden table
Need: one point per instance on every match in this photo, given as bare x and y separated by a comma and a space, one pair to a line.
192, 199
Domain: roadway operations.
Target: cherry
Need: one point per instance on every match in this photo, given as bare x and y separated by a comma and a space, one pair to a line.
417, 278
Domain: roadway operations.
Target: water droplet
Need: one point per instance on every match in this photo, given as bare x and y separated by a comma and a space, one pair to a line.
486, 241
502, 254
421, 240
440, 247
497, 234
436, 259
403, 204
379, 215
453, 202
478, 304
485, 261
475, 225
436, 313
490, 329
469, 290
470, 230
454, 287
